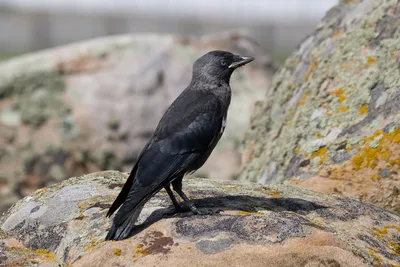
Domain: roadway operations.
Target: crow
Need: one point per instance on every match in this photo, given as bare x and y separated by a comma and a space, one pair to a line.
183, 140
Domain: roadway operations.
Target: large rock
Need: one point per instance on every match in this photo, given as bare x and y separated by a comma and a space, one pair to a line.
259, 226
331, 120
91, 106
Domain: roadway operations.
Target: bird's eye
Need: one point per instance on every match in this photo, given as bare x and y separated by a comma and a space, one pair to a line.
223, 62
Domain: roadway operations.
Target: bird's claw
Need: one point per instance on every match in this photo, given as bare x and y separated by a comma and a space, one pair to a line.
205, 211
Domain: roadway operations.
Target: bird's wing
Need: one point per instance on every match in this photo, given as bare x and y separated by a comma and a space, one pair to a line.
178, 141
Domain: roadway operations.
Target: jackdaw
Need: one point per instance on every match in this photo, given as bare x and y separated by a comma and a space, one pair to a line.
183, 140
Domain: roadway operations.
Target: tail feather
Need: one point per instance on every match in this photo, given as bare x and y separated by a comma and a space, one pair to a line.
124, 192
122, 230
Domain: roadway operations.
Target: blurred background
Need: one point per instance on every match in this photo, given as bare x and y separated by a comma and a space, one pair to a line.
30, 25
92, 106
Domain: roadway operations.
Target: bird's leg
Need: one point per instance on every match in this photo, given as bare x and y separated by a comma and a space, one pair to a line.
177, 185
177, 206
192, 207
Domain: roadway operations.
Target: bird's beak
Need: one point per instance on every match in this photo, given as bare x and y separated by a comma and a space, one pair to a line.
240, 61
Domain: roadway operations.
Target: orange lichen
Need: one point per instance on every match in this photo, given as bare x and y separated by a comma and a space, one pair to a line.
336, 34
311, 69
292, 84
363, 109
360, 175
340, 94
297, 150
337, 92
343, 108
368, 157
303, 99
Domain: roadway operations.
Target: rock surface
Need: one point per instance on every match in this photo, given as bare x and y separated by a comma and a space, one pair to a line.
91, 106
259, 226
331, 121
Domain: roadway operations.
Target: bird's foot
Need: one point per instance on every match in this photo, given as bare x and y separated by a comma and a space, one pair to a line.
203, 211
181, 209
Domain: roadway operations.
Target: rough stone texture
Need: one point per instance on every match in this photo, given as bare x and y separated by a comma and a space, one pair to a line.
91, 106
331, 120
259, 226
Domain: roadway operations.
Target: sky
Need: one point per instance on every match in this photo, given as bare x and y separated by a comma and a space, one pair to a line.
257, 10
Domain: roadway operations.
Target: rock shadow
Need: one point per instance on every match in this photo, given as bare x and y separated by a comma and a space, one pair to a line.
232, 203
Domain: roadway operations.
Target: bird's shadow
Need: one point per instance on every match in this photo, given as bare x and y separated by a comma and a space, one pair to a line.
233, 203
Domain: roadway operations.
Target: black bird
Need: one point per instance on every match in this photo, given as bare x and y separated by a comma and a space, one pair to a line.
183, 140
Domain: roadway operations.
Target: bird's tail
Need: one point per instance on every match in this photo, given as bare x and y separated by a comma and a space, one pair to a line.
122, 230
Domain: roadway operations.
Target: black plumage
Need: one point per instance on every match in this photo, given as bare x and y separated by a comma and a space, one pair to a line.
182, 141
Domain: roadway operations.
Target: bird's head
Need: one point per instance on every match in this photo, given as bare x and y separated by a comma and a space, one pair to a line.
218, 65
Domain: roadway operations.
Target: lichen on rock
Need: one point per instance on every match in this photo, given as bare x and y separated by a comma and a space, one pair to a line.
338, 89
260, 226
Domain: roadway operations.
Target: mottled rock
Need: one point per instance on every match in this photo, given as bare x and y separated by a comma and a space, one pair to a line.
335, 105
91, 106
259, 226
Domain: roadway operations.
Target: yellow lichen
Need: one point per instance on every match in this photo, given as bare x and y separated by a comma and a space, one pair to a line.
395, 247
273, 193
380, 232
321, 153
368, 157
244, 213
370, 61
392, 226
141, 251
117, 251
363, 109
92, 244
81, 206
373, 255
343, 108
45, 254
357, 161
41, 191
